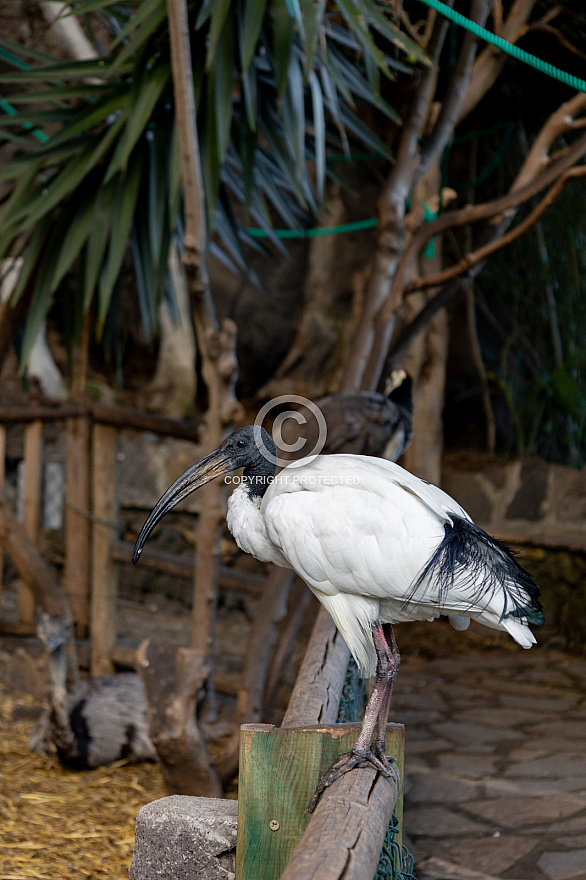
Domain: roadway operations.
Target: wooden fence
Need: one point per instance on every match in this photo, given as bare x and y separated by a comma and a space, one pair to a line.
92, 548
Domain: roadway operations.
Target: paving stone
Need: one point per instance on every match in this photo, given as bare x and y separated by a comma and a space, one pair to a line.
497, 717
490, 854
530, 751
516, 787
563, 865
577, 842
434, 788
440, 822
562, 728
416, 716
467, 734
545, 705
568, 826
514, 687
517, 812
429, 700
559, 766
467, 764
421, 746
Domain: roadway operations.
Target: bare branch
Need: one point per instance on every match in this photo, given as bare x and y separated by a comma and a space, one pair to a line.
491, 61
459, 277
472, 214
456, 92
486, 250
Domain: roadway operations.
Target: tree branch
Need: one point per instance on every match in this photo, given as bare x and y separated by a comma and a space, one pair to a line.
456, 92
467, 269
486, 250
472, 214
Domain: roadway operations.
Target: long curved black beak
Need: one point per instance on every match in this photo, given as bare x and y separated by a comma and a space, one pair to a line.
216, 464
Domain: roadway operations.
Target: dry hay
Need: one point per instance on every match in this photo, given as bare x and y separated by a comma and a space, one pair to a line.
56, 823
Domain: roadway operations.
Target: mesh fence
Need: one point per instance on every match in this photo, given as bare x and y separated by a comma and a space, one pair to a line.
396, 862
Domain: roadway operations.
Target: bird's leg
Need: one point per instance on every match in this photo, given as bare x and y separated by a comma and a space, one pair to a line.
362, 754
380, 730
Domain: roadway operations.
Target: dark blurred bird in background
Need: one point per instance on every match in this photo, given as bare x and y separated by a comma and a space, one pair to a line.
363, 423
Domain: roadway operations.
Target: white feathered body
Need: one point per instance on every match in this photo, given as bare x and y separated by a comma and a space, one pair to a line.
361, 531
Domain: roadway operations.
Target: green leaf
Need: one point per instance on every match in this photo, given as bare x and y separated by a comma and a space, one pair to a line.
124, 208
90, 91
313, 13
250, 92
68, 179
39, 305
31, 252
143, 99
26, 51
147, 13
251, 23
77, 232
67, 70
222, 73
98, 240
387, 29
284, 29
319, 126
147, 30
220, 9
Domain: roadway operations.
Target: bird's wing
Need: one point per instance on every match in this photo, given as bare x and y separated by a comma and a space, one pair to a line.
377, 476
350, 420
345, 524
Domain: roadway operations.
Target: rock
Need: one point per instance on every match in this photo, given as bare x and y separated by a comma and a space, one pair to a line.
186, 838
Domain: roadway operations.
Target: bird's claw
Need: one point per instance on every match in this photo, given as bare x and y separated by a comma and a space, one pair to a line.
347, 762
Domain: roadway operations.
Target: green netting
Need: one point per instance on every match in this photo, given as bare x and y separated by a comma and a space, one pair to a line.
396, 862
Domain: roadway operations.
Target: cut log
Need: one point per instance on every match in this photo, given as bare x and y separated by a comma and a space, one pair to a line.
172, 679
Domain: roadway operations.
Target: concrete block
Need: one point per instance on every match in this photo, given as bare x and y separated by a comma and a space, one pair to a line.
185, 838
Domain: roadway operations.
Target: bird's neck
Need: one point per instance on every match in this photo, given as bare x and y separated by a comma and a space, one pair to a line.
257, 477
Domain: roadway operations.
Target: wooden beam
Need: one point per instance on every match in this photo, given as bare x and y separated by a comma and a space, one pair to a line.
279, 770
104, 571
116, 416
2, 477
316, 695
33, 468
182, 567
77, 524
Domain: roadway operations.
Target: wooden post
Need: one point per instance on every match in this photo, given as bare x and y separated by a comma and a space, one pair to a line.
33, 464
77, 526
2, 475
279, 770
104, 569
316, 695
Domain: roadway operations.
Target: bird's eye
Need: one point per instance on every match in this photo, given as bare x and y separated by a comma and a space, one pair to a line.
241, 443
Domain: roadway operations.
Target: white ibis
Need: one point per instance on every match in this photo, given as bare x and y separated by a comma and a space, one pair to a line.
376, 545
364, 423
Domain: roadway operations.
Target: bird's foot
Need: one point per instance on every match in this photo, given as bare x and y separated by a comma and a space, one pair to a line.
346, 762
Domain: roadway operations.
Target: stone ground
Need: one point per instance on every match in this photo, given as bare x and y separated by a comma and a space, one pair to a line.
495, 764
